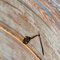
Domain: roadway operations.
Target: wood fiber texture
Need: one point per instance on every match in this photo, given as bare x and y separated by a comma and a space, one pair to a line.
22, 18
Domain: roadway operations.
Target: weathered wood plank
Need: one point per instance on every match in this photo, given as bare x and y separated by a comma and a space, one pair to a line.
12, 49
17, 36
32, 30
24, 17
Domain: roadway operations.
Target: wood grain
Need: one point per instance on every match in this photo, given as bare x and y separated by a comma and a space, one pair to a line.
10, 47
27, 17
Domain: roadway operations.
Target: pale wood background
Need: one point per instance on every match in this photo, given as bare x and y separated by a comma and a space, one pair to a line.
11, 49
27, 17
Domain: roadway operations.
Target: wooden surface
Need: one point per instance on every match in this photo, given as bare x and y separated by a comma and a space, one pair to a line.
25, 18
11, 49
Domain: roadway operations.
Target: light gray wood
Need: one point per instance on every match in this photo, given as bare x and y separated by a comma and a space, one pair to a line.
27, 17
12, 49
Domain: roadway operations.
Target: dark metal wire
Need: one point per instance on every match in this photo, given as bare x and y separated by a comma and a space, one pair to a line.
41, 45
27, 39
